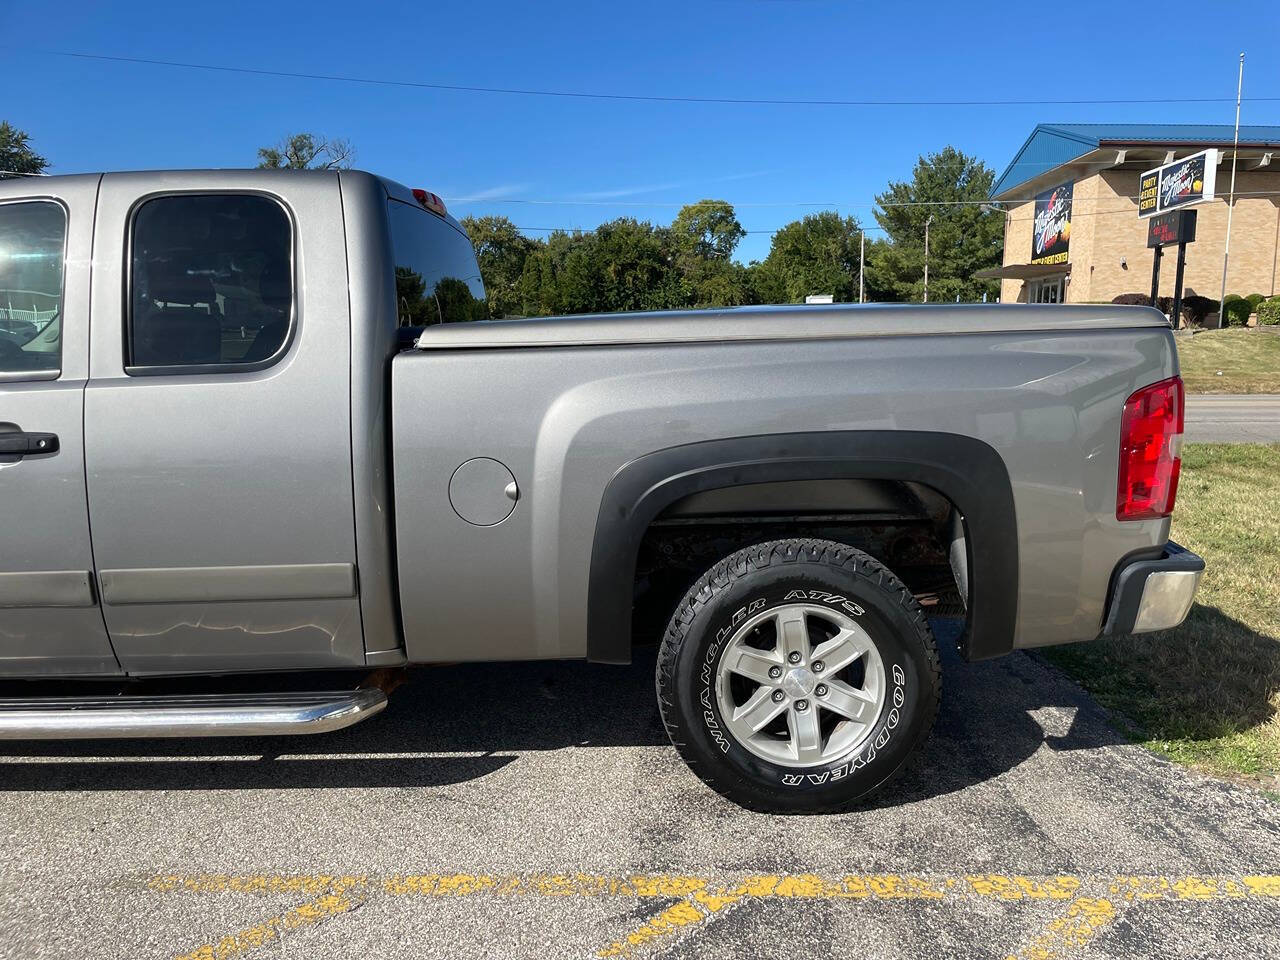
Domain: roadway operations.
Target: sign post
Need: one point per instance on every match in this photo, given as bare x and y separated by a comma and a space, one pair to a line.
1165, 195
1178, 227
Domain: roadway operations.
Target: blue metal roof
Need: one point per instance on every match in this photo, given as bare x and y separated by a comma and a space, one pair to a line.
1053, 144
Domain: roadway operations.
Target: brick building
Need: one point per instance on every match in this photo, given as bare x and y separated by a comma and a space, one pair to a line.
1089, 173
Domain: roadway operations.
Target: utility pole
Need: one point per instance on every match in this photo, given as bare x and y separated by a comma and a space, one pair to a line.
862, 259
926, 257
1231, 197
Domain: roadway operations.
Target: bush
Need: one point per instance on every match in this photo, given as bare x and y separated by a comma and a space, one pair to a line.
1269, 312
1236, 312
1255, 299
1132, 300
1196, 308
1231, 298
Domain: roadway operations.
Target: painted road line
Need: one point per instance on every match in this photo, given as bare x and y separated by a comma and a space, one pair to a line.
1083, 919
268, 931
701, 898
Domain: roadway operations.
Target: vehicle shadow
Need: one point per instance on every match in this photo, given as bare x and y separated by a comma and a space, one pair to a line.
452, 724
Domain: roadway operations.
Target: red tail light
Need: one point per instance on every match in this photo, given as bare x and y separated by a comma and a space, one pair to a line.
1150, 451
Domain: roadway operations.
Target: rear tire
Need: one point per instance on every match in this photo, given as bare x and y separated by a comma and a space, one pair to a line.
798, 676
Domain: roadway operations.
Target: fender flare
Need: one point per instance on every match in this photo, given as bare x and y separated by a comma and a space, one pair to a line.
969, 472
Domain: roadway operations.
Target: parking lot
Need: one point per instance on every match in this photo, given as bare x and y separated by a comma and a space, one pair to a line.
536, 810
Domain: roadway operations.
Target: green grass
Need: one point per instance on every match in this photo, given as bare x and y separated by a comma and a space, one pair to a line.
1248, 361
1208, 693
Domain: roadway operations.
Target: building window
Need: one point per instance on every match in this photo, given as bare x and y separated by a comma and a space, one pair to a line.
32, 250
211, 283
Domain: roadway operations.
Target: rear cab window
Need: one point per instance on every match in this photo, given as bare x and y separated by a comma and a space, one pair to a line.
437, 279
33, 235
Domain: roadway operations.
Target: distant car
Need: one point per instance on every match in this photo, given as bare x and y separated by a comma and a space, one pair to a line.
259, 443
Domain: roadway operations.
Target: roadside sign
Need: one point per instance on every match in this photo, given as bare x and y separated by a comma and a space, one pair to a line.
1168, 228
1179, 184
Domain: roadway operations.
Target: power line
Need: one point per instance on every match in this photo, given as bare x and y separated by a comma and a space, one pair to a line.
647, 98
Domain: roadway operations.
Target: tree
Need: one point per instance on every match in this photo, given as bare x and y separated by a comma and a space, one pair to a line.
949, 186
708, 229
704, 236
307, 151
561, 276
816, 255
16, 155
501, 250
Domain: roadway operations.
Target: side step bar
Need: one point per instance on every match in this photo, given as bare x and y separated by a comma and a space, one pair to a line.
205, 715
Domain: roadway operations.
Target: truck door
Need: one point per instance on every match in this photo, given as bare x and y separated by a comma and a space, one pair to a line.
217, 418
50, 622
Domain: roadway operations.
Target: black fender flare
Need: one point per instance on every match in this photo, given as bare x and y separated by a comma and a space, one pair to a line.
969, 472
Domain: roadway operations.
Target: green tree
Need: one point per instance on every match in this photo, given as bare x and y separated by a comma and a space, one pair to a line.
703, 237
560, 276
708, 229
307, 151
949, 186
16, 155
636, 267
502, 251
816, 255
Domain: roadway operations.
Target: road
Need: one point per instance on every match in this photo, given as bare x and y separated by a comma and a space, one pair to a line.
1233, 418
535, 810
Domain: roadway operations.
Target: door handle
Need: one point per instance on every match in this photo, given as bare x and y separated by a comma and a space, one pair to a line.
16, 444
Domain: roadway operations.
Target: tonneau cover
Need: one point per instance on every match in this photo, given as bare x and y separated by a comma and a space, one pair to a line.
784, 323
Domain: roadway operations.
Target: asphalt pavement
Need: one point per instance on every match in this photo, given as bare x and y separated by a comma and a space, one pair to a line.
535, 810
1233, 418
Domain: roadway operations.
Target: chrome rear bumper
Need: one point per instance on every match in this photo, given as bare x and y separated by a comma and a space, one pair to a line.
1153, 594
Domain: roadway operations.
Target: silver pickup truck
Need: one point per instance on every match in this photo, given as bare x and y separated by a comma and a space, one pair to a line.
256, 422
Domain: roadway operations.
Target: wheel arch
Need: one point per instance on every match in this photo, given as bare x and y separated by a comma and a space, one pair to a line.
968, 472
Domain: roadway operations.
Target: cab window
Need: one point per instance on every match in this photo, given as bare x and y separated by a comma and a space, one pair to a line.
436, 276
211, 283
32, 251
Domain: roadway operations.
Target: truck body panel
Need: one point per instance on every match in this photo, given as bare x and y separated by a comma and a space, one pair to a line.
564, 419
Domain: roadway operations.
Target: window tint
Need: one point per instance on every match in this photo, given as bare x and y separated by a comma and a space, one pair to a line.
32, 239
211, 282
437, 279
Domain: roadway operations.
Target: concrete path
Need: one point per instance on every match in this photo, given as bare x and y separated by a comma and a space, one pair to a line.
1233, 418
536, 810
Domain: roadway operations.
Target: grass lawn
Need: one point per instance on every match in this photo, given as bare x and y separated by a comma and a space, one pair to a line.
1208, 693
1249, 362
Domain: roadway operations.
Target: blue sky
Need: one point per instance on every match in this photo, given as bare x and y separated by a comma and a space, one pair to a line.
611, 158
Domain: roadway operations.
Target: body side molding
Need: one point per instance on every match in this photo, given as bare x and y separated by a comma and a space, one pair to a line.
46, 588
293, 581
969, 472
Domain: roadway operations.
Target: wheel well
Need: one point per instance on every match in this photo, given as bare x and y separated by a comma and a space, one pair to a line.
908, 526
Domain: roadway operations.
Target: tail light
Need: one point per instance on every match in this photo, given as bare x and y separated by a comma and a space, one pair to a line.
1150, 451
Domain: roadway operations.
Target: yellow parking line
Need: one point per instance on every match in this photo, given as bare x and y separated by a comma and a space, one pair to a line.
259, 935
1080, 923
701, 898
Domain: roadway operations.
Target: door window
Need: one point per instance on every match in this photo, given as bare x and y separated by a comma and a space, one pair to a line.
32, 250
211, 284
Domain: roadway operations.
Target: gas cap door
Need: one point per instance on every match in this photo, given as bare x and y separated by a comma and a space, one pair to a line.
483, 491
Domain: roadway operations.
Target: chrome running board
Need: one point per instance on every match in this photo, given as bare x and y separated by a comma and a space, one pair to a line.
205, 715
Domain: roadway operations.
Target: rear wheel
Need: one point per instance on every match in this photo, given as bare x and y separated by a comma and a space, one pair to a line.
798, 676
